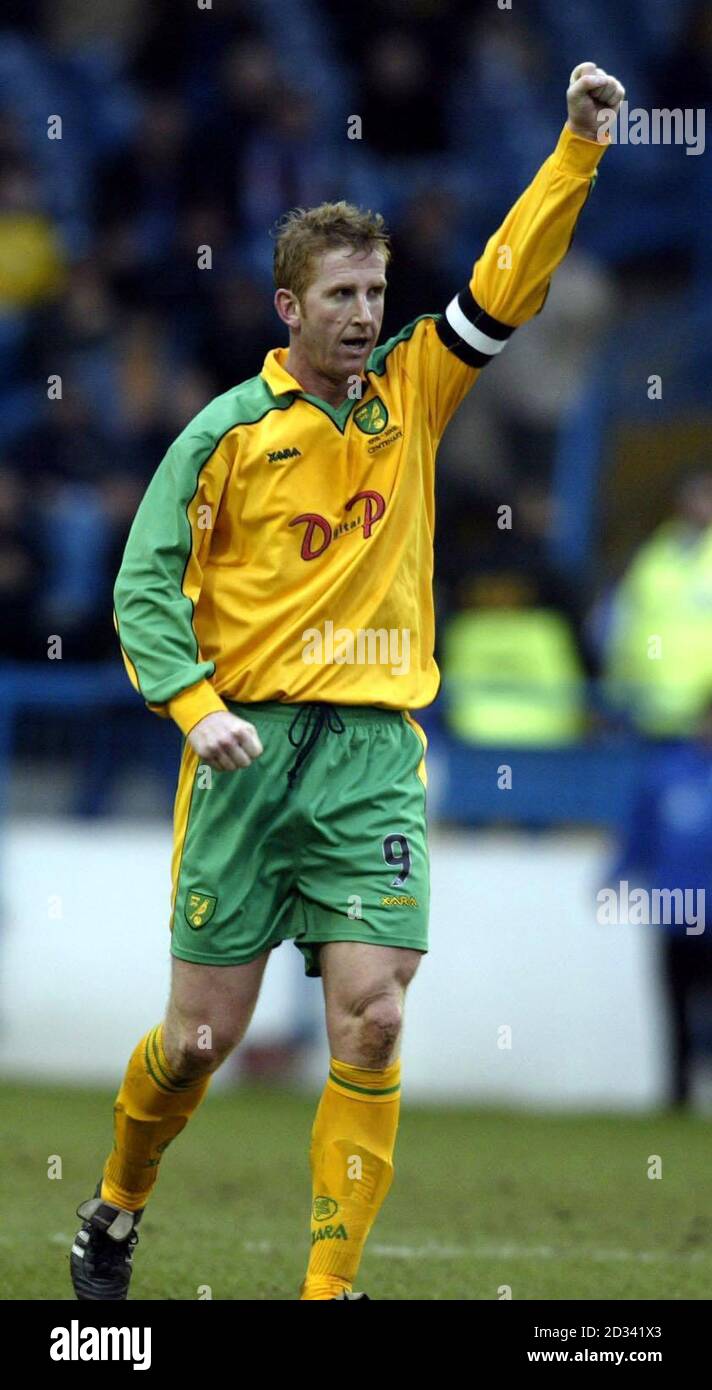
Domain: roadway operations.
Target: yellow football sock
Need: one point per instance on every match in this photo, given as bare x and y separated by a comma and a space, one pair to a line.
152, 1107
351, 1155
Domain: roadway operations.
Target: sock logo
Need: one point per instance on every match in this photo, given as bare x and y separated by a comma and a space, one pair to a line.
324, 1207
199, 908
75, 1343
160, 1150
329, 1233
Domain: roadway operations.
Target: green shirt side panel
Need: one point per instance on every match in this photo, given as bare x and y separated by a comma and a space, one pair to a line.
154, 617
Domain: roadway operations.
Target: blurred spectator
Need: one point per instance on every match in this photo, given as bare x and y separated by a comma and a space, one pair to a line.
659, 659
422, 278
159, 397
139, 195
287, 163
74, 23
437, 25
528, 391
397, 121
503, 113
511, 672
686, 72
69, 455
262, 153
181, 46
249, 79
667, 846
68, 444
239, 328
31, 264
21, 569
513, 668
75, 339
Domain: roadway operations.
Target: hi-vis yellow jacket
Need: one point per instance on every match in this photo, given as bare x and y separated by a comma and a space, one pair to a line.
284, 548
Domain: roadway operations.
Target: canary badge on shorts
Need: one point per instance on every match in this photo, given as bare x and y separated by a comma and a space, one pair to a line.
199, 908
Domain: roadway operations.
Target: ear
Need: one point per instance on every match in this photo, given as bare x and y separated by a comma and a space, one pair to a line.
287, 306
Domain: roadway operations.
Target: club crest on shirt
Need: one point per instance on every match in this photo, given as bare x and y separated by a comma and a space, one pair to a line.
371, 417
199, 908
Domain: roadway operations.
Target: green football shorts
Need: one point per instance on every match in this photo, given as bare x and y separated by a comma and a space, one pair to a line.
322, 838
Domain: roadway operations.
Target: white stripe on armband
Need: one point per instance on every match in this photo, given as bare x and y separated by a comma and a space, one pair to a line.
469, 334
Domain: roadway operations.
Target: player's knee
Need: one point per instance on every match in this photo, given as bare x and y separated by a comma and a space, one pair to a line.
197, 1052
381, 1022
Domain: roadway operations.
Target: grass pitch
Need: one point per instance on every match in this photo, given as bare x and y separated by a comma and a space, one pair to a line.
555, 1207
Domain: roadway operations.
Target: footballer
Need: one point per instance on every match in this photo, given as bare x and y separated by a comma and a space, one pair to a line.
275, 600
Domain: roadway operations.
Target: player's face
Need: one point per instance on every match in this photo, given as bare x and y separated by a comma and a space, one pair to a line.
342, 311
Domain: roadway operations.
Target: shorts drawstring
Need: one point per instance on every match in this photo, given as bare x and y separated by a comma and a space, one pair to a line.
314, 717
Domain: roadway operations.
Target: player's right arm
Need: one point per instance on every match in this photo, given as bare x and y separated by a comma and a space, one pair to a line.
157, 588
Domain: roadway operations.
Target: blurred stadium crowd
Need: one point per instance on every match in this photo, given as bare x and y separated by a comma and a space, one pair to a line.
184, 128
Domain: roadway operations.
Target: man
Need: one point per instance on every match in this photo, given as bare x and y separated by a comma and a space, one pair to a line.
275, 599
666, 850
659, 658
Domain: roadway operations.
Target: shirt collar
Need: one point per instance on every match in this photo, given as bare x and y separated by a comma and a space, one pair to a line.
279, 379
276, 375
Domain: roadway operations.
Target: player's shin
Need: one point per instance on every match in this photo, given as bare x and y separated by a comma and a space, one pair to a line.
152, 1107
352, 1147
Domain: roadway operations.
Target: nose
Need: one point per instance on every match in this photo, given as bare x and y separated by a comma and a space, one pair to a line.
362, 312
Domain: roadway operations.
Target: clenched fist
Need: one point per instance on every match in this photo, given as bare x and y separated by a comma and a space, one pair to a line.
225, 742
591, 91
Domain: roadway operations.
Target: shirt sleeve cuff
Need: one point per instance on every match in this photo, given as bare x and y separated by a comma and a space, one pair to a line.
576, 156
193, 704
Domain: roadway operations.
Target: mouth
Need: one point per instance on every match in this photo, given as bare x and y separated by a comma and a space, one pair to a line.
355, 344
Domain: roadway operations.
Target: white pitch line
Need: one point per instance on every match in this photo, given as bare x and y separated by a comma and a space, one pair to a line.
524, 1252
503, 1252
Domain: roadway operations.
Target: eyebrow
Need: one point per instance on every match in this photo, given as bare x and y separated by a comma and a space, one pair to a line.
350, 285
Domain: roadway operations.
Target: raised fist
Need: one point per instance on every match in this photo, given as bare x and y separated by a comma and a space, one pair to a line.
591, 91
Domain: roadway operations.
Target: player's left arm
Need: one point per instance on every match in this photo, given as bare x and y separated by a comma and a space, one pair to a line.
510, 279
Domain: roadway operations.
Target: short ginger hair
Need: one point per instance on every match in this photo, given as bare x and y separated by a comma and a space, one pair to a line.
301, 235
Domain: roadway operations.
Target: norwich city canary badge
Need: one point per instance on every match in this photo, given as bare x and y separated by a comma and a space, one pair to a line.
371, 417
199, 908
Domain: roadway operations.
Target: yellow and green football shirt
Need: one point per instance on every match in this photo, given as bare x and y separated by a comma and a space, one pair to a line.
284, 548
